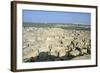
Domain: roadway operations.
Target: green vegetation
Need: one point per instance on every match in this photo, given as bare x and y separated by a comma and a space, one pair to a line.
58, 25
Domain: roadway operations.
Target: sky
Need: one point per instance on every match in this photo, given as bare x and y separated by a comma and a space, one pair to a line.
55, 17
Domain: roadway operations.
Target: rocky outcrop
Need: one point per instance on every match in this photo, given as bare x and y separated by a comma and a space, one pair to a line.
50, 44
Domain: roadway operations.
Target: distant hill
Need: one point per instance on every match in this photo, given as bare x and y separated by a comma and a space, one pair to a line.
58, 25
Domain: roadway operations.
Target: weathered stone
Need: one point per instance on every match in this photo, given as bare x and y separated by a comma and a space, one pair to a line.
54, 43
75, 53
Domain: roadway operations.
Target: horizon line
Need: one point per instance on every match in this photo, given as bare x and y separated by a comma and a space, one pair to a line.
57, 23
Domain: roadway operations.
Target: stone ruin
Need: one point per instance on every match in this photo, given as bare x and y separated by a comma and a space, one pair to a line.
54, 44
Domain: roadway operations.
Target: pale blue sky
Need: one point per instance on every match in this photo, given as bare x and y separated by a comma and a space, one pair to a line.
56, 17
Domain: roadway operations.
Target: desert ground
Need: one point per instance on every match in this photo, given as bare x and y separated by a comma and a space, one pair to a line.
55, 44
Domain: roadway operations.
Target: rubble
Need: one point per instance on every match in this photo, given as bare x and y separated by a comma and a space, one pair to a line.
54, 44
